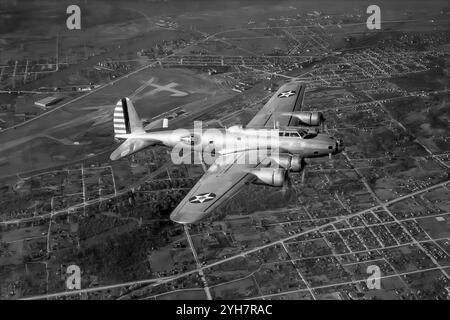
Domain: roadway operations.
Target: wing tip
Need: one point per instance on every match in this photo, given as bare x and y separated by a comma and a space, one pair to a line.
180, 218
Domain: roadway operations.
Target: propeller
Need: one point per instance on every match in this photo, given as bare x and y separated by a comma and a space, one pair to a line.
287, 184
303, 171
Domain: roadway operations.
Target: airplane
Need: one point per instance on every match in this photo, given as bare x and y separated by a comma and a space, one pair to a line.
229, 170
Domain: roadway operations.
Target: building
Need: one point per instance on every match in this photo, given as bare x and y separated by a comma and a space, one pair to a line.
48, 101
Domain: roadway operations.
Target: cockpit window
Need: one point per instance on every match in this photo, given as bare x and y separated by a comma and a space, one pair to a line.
298, 133
309, 135
302, 133
305, 134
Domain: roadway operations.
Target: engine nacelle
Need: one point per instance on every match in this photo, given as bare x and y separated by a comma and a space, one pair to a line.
309, 118
289, 162
270, 176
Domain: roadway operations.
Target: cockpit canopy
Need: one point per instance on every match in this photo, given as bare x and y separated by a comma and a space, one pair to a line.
302, 133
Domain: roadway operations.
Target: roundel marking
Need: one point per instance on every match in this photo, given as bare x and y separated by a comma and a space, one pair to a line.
203, 197
286, 94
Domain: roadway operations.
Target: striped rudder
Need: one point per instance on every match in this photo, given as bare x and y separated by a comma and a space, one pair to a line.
126, 120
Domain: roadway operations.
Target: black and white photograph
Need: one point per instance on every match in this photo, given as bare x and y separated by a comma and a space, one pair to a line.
224, 155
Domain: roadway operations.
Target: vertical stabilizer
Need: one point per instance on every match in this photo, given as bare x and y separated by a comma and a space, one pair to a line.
126, 119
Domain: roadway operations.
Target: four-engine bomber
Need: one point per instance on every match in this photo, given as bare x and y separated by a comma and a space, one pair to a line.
272, 144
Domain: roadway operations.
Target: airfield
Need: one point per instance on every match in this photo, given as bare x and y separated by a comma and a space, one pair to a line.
383, 202
30, 148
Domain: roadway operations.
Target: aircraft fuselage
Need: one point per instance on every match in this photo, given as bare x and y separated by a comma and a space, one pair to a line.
222, 140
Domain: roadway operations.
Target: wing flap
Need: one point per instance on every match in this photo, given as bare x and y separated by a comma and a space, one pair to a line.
222, 180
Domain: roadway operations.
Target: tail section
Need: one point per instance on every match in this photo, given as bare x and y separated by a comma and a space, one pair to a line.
127, 122
126, 119
130, 146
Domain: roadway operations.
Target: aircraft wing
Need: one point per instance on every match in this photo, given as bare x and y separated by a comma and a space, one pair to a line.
220, 182
289, 98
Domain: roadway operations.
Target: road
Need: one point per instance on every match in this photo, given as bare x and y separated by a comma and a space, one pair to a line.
151, 175
197, 261
195, 43
345, 283
109, 287
201, 268
244, 253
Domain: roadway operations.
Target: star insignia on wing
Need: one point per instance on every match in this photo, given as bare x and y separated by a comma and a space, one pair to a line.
286, 94
204, 197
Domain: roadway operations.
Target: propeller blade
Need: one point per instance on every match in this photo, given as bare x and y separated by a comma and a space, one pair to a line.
287, 184
303, 170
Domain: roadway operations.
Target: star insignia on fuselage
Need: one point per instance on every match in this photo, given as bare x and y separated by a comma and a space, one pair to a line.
204, 197
286, 94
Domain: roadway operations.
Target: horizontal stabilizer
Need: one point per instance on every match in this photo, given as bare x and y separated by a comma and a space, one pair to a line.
131, 146
162, 123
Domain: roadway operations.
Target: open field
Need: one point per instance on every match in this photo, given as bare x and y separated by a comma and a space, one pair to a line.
89, 119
